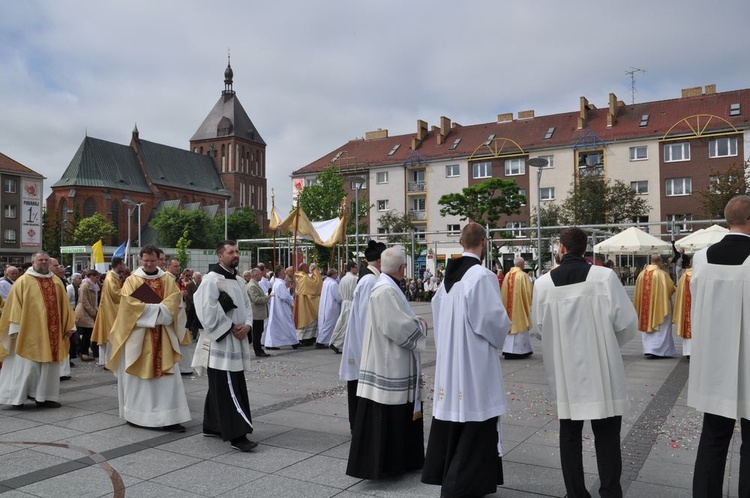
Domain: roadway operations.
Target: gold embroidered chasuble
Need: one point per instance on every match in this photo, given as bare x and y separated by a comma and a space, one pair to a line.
682, 305
517, 292
307, 298
39, 306
151, 352
652, 298
109, 302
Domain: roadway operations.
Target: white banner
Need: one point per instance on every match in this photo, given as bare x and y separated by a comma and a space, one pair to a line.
31, 212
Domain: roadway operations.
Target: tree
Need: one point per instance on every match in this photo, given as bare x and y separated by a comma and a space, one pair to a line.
241, 224
724, 185
51, 233
183, 243
170, 223
322, 200
395, 222
484, 202
91, 229
595, 201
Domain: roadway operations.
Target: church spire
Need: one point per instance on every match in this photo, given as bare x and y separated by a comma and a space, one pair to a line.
228, 76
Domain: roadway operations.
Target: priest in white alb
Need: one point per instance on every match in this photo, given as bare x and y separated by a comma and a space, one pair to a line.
346, 289
464, 451
517, 291
584, 316
328, 310
280, 328
145, 348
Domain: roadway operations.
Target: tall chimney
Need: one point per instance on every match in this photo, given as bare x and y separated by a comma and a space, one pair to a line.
612, 114
584, 112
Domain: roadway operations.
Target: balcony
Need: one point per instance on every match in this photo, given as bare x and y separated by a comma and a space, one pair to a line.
416, 186
417, 215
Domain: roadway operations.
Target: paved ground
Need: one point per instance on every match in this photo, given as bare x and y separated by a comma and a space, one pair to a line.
300, 416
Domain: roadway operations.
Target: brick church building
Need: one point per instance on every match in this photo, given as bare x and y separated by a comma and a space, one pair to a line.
226, 162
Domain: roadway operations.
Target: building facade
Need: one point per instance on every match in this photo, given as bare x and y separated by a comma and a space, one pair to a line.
665, 150
21, 201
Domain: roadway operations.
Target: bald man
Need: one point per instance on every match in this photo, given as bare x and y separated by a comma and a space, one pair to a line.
652, 300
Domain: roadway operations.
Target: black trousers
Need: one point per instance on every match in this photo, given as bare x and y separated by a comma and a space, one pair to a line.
227, 407
711, 459
255, 337
85, 341
608, 456
352, 400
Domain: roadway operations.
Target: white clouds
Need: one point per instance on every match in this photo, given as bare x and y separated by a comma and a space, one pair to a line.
312, 75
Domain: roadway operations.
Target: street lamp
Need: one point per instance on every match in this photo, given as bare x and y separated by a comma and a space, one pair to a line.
132, 205
539, 163
357, 182
227, 197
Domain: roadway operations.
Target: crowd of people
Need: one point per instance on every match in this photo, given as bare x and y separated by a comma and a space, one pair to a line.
138, 326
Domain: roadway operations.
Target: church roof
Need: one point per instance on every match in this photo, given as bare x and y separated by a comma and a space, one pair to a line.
228, 119
99, 163
178, 168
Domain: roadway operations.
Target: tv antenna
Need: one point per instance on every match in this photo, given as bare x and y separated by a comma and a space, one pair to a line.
631, 73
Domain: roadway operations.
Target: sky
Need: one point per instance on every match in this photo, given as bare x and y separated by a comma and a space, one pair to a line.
314, 74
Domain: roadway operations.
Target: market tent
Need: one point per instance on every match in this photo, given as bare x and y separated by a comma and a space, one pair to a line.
633, 241
701, 239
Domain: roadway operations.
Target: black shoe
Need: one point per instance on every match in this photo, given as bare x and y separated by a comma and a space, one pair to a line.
65, 377
187, 374
243, 444
17, 407
262, 354
48, 404
335, 349
273, 349
207, 433
320, 346
72, 365
174, 428
294, 346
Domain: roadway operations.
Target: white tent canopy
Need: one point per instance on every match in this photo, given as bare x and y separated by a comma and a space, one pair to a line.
633, 241
701, 239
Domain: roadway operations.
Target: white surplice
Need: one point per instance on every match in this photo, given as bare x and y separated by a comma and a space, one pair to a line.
660, 342
346, 289
355, 329
280, 329
719, 368
328, 311
583, 326
470, 326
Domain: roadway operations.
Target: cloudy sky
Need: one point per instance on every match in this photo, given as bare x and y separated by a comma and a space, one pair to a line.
313, 74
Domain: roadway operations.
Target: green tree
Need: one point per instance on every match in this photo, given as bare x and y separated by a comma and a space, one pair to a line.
241, 224
51, 232
183, 243
724, 185
91, 229
484, 202
395, 222
171, 222
322, 200
594, 200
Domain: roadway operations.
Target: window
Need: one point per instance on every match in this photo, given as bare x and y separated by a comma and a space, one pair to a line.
454, 144
394, 149
9, 185
639, 153
550, 161
550, 132
722, 147
454, 228
10, 210
644, 120
679, 220
382, 231
362, 186
418, 204
641, 221
591, 163
640, 187
9, 236
381, 177
482, 170
734, 109
677, 152
547, 193
678, 186
383, 205
515, 166
452, 171
515, 226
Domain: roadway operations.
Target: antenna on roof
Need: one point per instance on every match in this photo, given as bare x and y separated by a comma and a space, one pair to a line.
631, 73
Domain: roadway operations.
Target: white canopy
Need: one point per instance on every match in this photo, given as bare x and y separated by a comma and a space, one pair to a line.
633, 241
701, 239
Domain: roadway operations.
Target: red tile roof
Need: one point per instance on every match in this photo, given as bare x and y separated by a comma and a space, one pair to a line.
529, 133
8, 165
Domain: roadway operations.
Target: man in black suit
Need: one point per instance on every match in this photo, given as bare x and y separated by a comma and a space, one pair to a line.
720, 363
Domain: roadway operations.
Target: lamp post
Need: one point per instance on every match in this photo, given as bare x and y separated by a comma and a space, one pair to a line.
131, 206
227, 197
357, 182
539, 163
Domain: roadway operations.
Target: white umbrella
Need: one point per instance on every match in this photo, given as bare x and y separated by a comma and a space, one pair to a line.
701, 239
633, 241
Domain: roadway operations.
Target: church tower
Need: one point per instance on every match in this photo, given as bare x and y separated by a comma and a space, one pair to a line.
230, 138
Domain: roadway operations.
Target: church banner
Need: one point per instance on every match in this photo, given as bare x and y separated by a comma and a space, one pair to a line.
31, 213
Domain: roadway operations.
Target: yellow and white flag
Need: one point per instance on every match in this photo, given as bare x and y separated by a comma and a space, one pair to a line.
97, 257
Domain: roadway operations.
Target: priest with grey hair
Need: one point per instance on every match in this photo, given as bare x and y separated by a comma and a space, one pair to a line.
388, 436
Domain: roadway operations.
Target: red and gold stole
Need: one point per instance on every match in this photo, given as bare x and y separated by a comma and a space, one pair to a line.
156, 286
644, 317
49, 297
